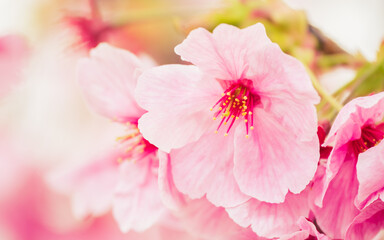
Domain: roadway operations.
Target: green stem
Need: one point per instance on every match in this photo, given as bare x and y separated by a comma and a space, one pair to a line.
323, 93
359, 79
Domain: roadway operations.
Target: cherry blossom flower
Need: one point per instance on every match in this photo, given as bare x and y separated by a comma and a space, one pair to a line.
108, 78
354, 135
260, 99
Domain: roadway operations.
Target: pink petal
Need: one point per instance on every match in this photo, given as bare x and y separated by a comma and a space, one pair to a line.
273, 160
333, 165
91, 186
108, 78
217, 55
357, 112
271, 220
205, 220
13, 55
318, 186
338, 208
137, 204
171, 197
178, 100
370, 169
205, 167
199, 217
298, 235
369, 224
308, 226
278, 75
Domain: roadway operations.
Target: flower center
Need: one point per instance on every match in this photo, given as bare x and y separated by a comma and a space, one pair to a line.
371, 135
90, 32
135, 146
237, 102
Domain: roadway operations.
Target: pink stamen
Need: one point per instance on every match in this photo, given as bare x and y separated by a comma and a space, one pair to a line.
136, 147
371, 135
237, 102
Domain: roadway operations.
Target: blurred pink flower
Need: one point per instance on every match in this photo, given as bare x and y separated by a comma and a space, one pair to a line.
355, 133
90, 32
13, 55
256, 92
93, 30
91, 186
108, 78
30, 210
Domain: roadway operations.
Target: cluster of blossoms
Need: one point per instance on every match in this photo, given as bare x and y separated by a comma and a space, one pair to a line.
229, 146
